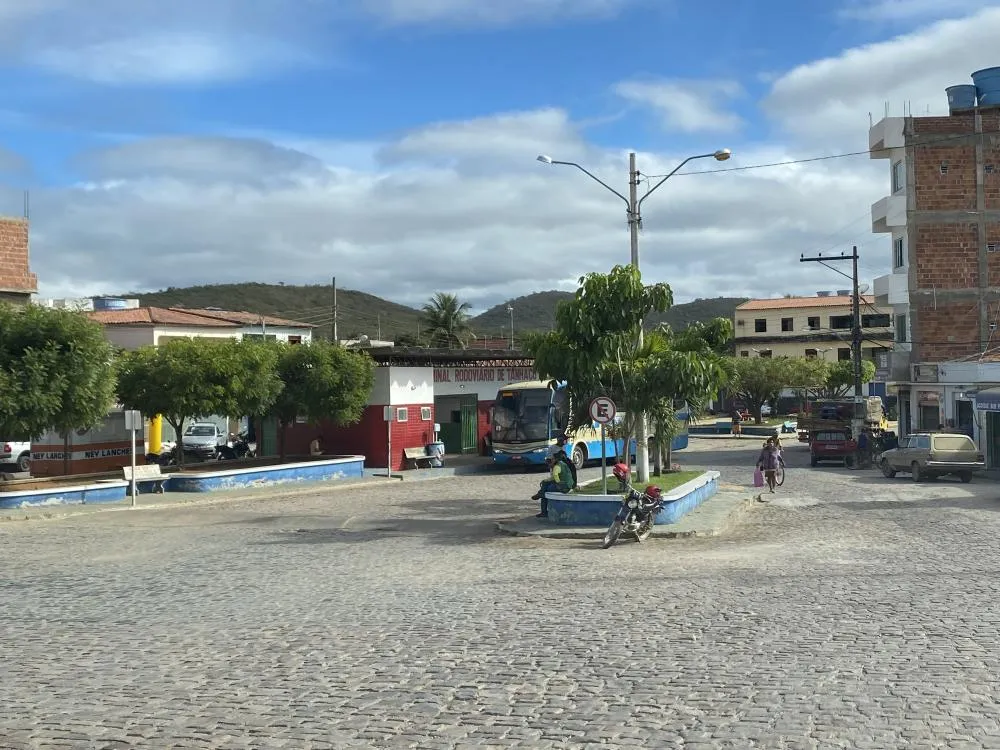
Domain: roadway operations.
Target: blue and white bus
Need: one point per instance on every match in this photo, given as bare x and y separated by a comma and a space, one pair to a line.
528, 417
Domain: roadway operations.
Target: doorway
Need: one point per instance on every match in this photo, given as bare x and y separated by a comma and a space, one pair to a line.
459, 420
993, 436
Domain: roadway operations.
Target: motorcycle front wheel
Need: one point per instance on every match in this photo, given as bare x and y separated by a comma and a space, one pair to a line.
614, 531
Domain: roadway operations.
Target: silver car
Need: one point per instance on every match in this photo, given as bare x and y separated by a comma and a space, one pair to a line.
926, 455
203, 439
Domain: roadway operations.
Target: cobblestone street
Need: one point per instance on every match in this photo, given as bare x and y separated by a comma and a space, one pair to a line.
852, 611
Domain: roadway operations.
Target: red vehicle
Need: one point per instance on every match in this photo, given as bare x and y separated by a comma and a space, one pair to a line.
832, 445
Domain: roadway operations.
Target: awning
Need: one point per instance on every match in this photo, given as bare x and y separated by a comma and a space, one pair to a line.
988, 400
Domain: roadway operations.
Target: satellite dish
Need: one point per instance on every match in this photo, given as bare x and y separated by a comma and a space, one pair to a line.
863, 288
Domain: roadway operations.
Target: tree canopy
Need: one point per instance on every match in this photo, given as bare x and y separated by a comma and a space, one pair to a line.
322, 381
594, 348
446, 322
56, 371
199, 377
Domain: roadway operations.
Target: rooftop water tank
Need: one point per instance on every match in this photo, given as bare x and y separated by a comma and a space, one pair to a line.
987, 83
110, 303
823, 294
962, 96
843, 292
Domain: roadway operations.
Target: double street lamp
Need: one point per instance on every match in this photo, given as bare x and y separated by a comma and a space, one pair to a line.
634, 213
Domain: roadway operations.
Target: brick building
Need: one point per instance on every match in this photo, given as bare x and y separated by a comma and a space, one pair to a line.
454, 389
943, 217
17, 282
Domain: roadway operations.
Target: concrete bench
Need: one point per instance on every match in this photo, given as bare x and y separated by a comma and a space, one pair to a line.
416, 455
146, 473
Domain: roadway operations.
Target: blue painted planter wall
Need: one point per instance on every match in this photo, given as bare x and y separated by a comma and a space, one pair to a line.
600, 510
323, 470
108, 492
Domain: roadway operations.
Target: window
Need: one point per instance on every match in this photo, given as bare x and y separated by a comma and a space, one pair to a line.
425, 414
921, 441
402, 414
898, 176
841, 322
764, 353
953, 443
813, 323
760, 325
901, 328
988, 168
811, 354
843, 354
787, 324
740, 322
744, 353
944, 167
898, 254
260, 337
294, 339
875, 321
992, 247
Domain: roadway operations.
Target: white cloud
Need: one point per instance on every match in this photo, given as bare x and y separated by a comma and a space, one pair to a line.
686, 106
910, 10
201, 210
477, 13
827, 102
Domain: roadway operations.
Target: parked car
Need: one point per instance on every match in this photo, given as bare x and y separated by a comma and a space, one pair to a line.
203, 439
933, 454
17, 453
765, 410
832, 445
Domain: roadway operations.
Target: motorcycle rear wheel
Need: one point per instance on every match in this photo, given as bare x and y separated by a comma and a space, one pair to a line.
611, 536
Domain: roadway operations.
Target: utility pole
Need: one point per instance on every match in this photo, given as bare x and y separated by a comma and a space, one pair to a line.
856, 332
378, 336
510, 309
333, 333
641, 438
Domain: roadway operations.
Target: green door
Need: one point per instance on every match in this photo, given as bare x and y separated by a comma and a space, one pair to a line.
470, 424
268, 438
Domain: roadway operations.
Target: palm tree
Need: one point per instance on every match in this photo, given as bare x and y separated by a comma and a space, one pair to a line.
447, 321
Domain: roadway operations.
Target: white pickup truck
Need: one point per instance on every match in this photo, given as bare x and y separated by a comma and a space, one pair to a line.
16, 453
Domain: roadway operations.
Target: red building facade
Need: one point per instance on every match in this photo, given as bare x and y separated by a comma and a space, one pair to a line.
422, 388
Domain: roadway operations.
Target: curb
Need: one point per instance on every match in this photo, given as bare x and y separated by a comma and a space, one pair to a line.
513, 528
195, 499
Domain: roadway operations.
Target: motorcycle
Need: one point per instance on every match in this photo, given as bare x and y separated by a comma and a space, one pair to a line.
237, 447
638, 510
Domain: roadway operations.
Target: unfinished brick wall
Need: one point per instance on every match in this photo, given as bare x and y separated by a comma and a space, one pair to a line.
15, 273
948, 329
948, 125
947, 256
993, 258
953, 189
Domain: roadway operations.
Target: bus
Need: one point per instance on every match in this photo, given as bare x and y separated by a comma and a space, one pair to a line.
528, 417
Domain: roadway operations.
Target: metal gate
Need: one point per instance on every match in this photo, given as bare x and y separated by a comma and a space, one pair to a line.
470, 424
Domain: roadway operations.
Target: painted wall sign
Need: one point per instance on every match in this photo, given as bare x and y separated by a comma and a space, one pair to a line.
498, 375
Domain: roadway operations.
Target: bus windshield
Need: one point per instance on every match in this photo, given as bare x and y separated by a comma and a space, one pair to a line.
521, 415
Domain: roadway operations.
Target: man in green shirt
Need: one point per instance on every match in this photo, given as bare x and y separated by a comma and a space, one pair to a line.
560, 480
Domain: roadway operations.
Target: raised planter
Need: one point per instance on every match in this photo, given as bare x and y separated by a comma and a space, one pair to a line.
315, 470
572, 509
82, 494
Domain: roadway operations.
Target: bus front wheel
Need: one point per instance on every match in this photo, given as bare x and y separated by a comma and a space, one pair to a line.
579, 456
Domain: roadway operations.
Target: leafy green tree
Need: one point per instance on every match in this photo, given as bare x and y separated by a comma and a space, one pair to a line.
410, 340
839, 380
321, 381
759, 380
56, 371
199, 377
446, 320
594, 348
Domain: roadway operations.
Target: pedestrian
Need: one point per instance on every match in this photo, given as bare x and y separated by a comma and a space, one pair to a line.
768, 461
316, 446
864, 448
560, 480
737, 428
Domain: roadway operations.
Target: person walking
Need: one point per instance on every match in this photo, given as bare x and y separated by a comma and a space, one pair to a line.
737, 423
768, 461
560, 480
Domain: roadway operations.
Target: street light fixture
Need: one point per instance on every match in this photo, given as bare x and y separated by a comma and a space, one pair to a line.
633, 206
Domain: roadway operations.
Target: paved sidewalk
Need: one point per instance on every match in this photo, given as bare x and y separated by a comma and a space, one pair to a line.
187, 499
711, 518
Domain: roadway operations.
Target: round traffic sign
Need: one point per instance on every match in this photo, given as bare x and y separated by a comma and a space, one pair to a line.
602, 410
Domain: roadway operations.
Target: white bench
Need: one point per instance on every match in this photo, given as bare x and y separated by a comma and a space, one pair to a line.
416, 455
146, 473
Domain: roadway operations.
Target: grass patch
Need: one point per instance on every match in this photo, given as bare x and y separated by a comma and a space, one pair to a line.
665, 482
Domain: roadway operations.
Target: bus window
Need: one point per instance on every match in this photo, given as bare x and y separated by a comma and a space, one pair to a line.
560, 410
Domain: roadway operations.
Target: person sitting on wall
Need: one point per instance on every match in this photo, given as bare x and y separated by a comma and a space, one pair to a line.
560, 480
316, 446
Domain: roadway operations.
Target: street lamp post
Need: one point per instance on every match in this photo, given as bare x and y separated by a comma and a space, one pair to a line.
634, 208
510, 309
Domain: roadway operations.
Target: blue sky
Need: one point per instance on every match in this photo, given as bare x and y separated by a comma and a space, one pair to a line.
264, 140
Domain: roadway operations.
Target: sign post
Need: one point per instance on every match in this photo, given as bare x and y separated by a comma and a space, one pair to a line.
133, 422
602, 411
388, 438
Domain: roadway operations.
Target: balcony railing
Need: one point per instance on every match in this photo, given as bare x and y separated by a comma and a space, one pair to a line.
891, 289
888, 213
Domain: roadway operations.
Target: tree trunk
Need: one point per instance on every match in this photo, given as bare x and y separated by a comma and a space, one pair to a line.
178, 441
657, 455
668, 455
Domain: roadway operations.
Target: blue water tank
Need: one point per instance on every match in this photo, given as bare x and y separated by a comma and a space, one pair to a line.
962, 96
987, 83
110, 303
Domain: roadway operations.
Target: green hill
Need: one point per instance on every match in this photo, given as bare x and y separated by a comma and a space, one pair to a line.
361, 313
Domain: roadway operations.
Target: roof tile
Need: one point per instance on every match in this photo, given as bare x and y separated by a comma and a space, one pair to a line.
785, 303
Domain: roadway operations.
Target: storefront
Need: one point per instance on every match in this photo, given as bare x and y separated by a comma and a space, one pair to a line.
988, 406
